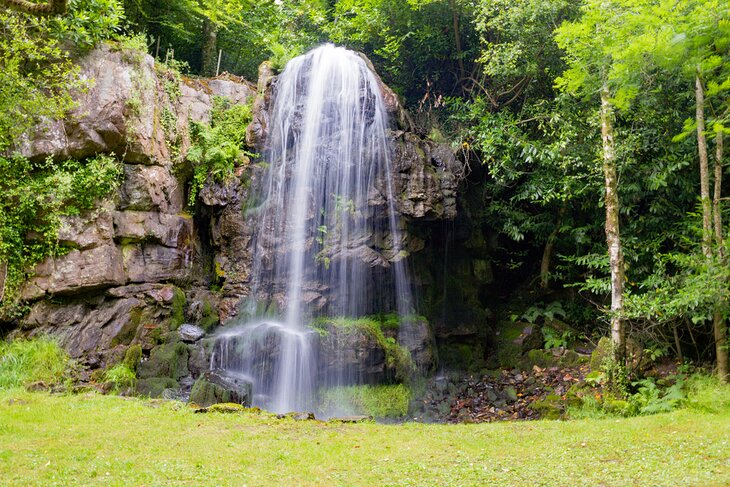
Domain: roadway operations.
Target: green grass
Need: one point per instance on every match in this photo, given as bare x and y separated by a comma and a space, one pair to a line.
26, 361
109, 440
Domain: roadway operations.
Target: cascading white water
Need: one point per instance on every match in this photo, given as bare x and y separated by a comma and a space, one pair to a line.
327, 239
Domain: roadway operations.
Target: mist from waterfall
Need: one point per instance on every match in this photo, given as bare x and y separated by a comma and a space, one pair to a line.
327, 241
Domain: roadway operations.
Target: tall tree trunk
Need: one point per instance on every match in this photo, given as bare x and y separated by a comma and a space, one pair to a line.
719, 324
613, 236
209, 55
457, 39
53, 7
704, 168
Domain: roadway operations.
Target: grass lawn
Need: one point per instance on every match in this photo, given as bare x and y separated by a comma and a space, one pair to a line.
108, 440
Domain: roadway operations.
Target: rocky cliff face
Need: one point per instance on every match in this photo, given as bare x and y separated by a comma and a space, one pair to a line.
134, 254
140, 264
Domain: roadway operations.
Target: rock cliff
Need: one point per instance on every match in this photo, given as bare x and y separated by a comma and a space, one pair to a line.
142, 263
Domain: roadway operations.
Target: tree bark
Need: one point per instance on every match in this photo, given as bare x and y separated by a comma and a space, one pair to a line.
209, 55
613, 236
548, 251
704, 168
53, 7
719, 324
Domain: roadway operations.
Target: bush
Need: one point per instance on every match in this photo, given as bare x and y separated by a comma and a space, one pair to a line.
23, 362
120, 377
217, 149
707, 394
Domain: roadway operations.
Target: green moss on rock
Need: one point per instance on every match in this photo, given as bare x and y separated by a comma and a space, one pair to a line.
168, 360
155, 386
178, 309
132, 357
551, 407
215, 387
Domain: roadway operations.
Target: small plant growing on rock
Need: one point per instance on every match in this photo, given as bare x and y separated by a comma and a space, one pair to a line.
120, 378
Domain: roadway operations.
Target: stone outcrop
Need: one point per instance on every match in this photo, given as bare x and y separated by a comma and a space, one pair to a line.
121, 281
217, 386
139, 266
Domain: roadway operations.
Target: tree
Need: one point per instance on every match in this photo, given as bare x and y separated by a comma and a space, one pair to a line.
589, 43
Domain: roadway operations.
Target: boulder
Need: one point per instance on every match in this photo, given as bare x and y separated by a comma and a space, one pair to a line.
76, 272
145, 226
150, 188
116, 113
217, 386
190, 333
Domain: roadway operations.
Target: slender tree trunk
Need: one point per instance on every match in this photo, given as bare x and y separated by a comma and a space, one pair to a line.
3, 277
548, 251
719, 324
209, 55
704, 168
717, 197
53, 7
457, 39
613, 236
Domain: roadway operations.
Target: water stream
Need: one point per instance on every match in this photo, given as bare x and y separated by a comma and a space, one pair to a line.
327, 239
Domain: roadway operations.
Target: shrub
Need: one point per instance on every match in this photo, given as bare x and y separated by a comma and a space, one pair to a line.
23, 362
120, 377
706, 393
217, 149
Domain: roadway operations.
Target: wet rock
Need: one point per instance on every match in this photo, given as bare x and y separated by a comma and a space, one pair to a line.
220, 387
167, 360
156, 386
190, 333
425, 177
416, 337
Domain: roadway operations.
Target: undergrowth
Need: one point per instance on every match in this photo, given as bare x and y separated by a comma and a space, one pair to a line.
36, 197
652, 396
218, 148
23, 362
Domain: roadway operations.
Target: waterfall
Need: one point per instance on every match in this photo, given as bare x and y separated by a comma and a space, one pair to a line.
327, 239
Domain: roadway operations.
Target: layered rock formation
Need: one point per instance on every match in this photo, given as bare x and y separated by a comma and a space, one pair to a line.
140, 265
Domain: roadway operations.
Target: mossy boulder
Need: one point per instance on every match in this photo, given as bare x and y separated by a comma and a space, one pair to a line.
155, 386
168, 360
217, 386
550, 407
603, 350
132, 357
